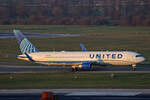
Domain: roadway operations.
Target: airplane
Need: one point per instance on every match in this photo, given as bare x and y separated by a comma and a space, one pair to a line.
77, 59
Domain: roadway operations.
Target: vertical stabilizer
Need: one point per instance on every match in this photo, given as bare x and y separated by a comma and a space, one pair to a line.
25, 45
82, 47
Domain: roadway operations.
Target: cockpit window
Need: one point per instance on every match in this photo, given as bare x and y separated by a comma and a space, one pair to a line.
138, 55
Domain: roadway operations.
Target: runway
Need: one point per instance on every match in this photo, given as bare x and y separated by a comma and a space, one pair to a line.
37, 97
77, 94
31, 69
51, 69
7, 35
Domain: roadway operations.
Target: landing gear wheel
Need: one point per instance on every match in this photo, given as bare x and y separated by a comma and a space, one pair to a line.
73, 69
133, 67
76, 69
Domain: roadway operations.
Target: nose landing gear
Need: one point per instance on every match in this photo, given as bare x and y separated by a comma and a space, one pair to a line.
133, 67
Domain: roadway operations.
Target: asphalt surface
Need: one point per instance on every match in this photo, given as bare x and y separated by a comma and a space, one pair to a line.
6, 35
104, 98
77, 94
26, 97
41, 69
31, 69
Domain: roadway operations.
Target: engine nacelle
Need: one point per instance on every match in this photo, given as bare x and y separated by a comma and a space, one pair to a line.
85, 66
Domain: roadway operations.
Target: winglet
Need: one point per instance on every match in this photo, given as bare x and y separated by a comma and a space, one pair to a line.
82, 47
30, 58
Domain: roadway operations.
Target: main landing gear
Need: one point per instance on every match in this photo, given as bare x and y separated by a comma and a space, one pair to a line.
75, 69
133, 67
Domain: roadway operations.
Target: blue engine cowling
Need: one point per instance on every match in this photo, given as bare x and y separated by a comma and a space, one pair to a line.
85, 66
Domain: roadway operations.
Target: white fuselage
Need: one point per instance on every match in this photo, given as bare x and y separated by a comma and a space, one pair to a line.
76, 58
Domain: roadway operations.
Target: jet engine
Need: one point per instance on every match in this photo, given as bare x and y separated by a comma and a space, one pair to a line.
85, 66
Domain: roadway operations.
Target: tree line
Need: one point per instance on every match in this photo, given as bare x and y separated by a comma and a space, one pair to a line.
75, 12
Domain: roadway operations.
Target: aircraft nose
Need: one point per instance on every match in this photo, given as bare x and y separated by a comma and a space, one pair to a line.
142, 59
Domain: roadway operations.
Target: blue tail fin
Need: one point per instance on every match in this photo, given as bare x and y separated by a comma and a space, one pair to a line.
82, 47
25, 45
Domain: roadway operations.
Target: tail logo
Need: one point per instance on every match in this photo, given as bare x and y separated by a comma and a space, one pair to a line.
27, 47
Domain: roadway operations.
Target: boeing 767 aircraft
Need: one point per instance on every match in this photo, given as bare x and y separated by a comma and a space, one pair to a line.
77, 59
